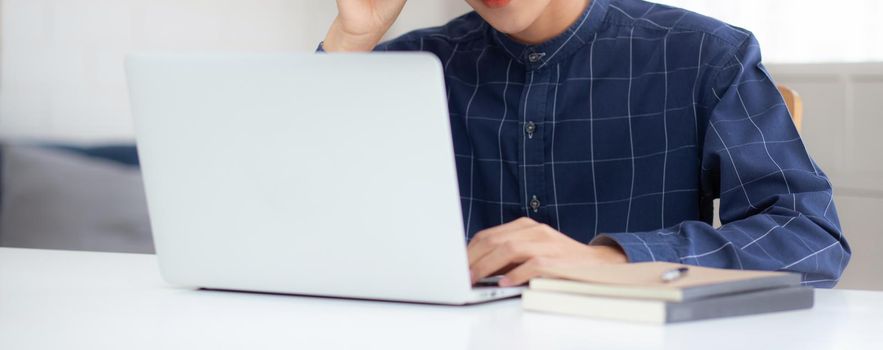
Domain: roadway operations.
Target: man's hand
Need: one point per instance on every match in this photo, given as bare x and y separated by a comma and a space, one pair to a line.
360, 24
524, 249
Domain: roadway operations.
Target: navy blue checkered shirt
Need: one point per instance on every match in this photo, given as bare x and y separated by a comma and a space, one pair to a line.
625, 128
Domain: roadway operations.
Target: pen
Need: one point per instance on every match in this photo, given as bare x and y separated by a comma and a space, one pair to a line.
674, 274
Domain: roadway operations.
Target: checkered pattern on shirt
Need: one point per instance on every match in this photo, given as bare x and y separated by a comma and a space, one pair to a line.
642, 114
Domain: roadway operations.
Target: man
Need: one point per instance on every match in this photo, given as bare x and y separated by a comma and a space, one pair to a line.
597, 132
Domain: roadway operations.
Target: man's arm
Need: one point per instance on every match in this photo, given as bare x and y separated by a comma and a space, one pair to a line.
777, 206
361, 24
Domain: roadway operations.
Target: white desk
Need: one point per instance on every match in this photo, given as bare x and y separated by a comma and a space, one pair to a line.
76, 300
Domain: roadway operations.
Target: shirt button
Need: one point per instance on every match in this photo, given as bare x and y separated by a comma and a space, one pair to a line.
530, 128
535, 57
535, 204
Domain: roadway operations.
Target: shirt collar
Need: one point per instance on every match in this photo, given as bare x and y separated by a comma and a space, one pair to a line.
541, 55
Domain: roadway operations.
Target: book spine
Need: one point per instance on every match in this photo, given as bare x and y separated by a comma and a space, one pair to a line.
741, 286
597, 307
765, 301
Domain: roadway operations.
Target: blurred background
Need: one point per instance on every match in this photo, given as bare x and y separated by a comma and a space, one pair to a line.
69, 172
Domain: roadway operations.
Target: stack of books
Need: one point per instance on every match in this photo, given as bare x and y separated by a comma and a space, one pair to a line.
665, 292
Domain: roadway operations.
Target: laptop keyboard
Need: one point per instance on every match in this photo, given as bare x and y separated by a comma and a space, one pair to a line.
488, 282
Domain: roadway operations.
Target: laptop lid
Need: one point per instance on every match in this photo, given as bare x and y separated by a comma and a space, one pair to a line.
310, 174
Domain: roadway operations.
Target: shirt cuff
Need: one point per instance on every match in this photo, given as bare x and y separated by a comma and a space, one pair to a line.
641, 246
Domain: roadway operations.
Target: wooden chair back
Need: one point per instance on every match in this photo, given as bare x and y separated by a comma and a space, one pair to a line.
794, 103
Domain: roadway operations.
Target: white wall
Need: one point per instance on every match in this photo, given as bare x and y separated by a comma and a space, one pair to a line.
61, 66
844, 116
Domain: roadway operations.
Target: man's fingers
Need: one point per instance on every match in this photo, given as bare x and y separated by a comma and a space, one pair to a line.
522, 274
511, 252
477, 249
509, 226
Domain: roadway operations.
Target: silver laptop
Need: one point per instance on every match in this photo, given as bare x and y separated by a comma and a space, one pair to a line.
310, 174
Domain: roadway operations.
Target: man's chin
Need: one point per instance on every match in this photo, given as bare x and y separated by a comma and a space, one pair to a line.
509, 27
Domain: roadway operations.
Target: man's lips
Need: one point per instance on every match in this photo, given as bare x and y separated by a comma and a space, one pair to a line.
496, 3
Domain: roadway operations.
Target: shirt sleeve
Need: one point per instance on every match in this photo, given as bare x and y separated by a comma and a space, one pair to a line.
776, 205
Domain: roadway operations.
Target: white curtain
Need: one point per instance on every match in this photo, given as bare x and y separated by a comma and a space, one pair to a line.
797, 31
804, 30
